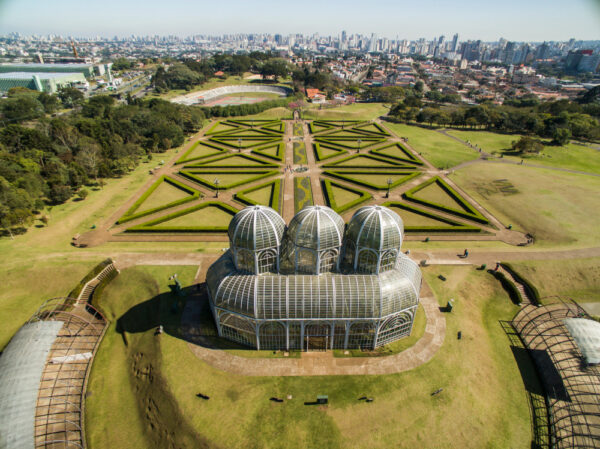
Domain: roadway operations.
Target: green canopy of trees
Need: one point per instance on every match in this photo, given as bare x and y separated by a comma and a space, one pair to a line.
47, 159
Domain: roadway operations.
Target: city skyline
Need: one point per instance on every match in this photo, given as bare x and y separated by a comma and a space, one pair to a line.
516, 21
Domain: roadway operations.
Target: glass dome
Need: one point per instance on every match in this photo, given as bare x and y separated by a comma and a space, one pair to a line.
316, 227
374, 239
255, 235
313, 241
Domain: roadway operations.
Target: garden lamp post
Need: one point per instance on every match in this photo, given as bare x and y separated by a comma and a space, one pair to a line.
389, 184
239, 145
216, 182
359, 144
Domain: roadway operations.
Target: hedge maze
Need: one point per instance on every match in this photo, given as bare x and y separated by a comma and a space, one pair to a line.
240, 162
383, 166
229, 162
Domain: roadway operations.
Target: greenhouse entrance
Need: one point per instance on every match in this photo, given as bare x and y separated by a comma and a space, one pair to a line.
316, 337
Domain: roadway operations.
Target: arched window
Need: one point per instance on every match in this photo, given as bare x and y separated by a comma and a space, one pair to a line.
238, 329
272, 335
328, 262
394, 328
267, 261
388, 260
367, 261
361, 335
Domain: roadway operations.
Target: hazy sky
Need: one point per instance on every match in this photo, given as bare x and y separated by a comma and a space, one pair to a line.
519, 20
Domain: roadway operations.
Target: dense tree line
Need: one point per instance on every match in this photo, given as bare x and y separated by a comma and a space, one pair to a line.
45, 160
558, 120
189, 73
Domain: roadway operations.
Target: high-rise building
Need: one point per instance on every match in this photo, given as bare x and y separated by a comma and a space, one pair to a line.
454, 45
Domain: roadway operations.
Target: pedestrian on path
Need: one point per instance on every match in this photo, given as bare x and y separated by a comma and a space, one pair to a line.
466, 254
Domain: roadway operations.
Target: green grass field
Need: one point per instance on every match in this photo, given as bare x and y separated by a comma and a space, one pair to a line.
441, 151
578, 279
571, 156
555, 207
356, 111
141, 391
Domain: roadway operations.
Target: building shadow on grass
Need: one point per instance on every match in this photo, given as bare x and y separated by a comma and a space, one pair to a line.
185, 315
536, 395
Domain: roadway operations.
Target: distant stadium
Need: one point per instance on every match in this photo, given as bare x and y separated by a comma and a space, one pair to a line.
233, 95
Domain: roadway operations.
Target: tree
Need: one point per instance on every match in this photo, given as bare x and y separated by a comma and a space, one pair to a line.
50, 102
20, 108
275, 68
83, 194
527, 145
561, 136
70, 96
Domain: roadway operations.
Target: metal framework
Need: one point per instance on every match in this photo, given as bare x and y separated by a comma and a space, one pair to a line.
338, 305
572, 386
59, 411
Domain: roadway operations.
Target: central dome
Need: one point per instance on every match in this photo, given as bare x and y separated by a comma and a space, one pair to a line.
317, 228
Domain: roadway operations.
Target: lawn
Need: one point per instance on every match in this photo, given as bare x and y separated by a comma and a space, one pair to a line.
571, 156
435, 194
205, 217
356, 111
165, 193
557, 208
440, 150
578, 279
143, 391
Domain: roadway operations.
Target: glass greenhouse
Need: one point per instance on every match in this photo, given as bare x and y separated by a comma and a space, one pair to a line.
314, 285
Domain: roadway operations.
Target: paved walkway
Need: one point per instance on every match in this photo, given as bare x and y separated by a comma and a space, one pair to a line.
321, 363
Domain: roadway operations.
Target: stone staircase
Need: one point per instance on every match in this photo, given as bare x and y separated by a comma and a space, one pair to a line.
89, 287
527, 300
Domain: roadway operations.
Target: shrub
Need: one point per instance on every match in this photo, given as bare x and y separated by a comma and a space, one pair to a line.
88, 277
345, 175
259, 175
410, 158
507, 284
319, 152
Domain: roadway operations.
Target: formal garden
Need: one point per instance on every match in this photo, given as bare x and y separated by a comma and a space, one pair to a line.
342, 163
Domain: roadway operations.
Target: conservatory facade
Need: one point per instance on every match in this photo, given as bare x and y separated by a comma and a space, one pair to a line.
315, 284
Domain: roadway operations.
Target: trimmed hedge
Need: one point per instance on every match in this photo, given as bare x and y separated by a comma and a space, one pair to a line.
208, 163
312, 127
274, 200
247, 142
246, 133
469, 213
392, 163
259, 175
184, 156
212, 131
351, 133
278, 127
343, 175
507, 284
455, 226
130, 215
530, 289
88, 277
410, 158
330, 197
319, 154
340, 142
149, 226
279, 156
381, 132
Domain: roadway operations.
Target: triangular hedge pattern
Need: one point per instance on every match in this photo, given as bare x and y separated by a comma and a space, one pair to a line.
268, 194
338, 204
467, 209
446, 224
374, 180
